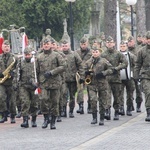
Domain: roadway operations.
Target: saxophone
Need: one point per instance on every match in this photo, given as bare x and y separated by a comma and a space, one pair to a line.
6, 73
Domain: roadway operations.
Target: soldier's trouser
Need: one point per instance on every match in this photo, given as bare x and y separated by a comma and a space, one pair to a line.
49, 101
146, 90
108, 103
72, 87
139, 98
129, 84
7, 93
29, 105
80, 96
116, 89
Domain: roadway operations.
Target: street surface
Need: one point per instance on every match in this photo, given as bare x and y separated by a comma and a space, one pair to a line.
129, 133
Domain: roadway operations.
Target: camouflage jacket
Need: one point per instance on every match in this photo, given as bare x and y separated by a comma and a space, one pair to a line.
142, 64
51, 62
74, 65
118, 62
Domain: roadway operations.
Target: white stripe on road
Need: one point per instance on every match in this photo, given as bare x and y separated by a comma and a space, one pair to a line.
106, 134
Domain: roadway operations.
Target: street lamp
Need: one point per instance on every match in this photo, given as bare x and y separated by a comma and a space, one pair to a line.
71, 23
131, 3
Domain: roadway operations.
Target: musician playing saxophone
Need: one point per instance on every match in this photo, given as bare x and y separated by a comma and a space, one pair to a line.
7, 65
98, 87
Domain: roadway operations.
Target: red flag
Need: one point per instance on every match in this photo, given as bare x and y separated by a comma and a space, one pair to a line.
1, 42
24, 42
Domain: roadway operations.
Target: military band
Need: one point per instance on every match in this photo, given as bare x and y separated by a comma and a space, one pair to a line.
46, 79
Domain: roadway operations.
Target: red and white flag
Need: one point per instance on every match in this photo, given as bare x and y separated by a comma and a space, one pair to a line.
1, 42
24, 42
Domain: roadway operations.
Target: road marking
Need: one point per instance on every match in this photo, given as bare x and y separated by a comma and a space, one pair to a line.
108, 133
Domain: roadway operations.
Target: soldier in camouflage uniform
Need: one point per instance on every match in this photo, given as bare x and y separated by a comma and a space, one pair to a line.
74, 65
7, 101
127, 80
134, 50
97, 68
85, 54
50, 65
142, 71
29, 101
118, 62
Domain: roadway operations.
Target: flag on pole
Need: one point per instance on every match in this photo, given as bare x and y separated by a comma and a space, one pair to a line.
1, 42
24, 42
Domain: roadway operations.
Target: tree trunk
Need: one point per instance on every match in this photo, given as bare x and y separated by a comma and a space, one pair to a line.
110, 18
141, 17
147, 3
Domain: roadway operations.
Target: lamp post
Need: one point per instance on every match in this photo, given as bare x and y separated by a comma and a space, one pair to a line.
71, 23
131, 3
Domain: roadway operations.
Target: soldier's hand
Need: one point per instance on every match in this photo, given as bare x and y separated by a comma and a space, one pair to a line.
1, 75
81, 81
88, 73
115, 71
47, 75
99, 75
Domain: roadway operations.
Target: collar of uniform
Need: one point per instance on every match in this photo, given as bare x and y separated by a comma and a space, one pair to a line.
47, 51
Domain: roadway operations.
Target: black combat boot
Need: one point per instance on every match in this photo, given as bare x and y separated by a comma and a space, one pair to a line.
129, 110
81, 108
4, 117
64, 112
107, 115
116, 115
25, 122
121, 110
46, 121
101, 119
19, 112
12, 118
52, 126
94, 121
33, 121
138, 107
89, 110
71, 115
148, 115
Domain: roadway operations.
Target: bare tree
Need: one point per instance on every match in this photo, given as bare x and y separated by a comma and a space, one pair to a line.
141, 17
110, 18
147, 3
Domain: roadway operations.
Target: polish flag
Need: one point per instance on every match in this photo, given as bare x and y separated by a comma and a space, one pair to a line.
37, 91
24, 41
1, 42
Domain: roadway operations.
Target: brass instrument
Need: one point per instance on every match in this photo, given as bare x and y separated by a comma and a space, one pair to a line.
88, 77
6, 73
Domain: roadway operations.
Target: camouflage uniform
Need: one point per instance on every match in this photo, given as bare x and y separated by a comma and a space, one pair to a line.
85, 55
119, 62
142, 67
7, 101
98, 88
50, 66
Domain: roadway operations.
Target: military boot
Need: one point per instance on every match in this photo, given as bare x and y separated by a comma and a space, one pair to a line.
107, 115
52, 126
33, 121
12, 118
116, 115
71, 115
121, 111
4, 117
19, 112
129, 110
89, 110
138, 107
46, 121
94, 121
63, 112
81, 108
101, 119
25, 122
148, 115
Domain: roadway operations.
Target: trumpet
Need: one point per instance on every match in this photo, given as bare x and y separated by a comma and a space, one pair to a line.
88, 78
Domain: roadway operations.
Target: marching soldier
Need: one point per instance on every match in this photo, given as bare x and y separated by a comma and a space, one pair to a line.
85, 54
7, 65
119, 62
142, 72
50, 65
96, 70
127, 80
74, 65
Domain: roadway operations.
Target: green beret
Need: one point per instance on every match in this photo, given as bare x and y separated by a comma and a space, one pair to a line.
130, 38
83, 40
109, 39
148, 35
6, 42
